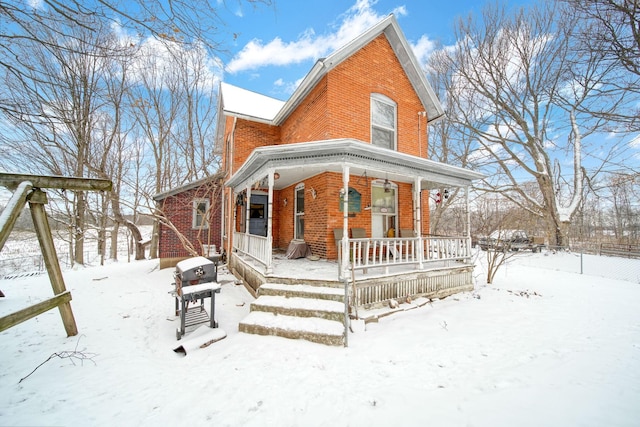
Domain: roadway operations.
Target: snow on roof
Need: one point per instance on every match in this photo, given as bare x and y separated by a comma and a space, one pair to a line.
242, 102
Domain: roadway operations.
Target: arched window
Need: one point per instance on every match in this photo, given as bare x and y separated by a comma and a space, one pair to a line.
383, 121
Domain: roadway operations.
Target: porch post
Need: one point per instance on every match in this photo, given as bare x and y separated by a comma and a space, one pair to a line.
418, 221
247, 211
468, 219
468, 214
269, 248
345, 222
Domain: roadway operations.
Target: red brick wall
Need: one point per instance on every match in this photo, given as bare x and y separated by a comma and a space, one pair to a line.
252, 135
179, 210
339, 107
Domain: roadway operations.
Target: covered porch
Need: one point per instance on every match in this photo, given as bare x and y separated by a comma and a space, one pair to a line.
390, 256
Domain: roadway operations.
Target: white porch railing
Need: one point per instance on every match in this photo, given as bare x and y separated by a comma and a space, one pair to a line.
256, 247
386, 252
368, 253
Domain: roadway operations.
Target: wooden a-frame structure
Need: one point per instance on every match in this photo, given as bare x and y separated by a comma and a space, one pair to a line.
28, 189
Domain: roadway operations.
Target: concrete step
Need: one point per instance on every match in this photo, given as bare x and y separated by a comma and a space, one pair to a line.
323, 331
302, 291
300, 307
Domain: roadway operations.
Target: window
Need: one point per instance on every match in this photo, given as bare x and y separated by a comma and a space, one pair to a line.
383, 121
299, 209
200, 213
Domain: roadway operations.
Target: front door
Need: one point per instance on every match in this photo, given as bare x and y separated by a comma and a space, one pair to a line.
383, 211
258, 215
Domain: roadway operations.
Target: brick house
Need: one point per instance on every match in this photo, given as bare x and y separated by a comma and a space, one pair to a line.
344, 156
192, 221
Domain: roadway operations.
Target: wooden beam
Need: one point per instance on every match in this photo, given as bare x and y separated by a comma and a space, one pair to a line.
13, 210
12, 181
37, 200
20, 316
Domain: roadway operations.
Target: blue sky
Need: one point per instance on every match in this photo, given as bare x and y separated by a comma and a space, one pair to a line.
274, 47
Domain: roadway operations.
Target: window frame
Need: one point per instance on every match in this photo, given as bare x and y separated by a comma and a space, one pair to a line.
383, 99
195, 214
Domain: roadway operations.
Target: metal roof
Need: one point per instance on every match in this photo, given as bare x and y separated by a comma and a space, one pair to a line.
296, 162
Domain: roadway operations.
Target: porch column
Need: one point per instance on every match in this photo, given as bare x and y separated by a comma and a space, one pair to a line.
345, 222
467, 219
269, 248
418, 221
247, 211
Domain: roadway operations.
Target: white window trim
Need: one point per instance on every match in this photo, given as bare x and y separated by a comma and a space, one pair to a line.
195, 214
378, 97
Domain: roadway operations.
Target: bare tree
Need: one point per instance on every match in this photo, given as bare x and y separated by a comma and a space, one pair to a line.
174, 104
57, 110
448, 141
174, 21
613, 28
526, 97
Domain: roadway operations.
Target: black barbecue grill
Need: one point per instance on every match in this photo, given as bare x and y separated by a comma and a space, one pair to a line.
195, 279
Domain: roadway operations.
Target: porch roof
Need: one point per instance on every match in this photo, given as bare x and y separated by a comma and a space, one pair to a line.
296, 162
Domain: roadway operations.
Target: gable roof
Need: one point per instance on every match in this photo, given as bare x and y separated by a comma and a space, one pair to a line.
188, 186
389, 26
237, 102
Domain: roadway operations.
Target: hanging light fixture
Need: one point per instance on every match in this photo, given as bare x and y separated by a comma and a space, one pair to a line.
386, 185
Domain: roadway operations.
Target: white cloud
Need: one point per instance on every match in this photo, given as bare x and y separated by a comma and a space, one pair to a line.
157, 61
423, 48
36, 4
309, 45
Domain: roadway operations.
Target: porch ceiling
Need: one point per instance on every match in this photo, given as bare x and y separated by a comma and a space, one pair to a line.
296, 162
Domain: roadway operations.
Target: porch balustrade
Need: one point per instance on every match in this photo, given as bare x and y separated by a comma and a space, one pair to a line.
256, 247
368, 253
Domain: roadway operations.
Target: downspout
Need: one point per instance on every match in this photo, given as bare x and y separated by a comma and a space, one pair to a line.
229, 226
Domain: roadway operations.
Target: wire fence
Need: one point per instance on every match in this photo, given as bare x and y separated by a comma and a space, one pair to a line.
588, 261
21, 255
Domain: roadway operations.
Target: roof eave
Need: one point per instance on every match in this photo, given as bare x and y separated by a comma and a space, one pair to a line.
263, 158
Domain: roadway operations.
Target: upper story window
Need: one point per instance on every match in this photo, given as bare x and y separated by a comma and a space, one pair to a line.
383, 121
200, 213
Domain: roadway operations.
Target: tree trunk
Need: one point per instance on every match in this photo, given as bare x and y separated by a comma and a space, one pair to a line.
78, 232
114, 242
135, 231
155, 237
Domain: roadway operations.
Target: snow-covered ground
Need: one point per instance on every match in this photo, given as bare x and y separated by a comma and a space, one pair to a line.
539, 347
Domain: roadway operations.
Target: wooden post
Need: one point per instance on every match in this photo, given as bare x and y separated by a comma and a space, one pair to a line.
37, 200
12, 211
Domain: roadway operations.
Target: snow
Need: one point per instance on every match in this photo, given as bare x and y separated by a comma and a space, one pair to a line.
244, 102
194, 289
194, 262
539, 347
